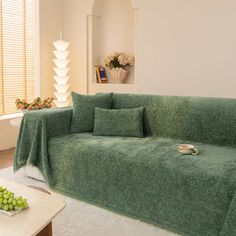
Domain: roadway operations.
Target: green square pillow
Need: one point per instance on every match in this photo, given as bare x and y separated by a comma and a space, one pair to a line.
119, 122
83, 110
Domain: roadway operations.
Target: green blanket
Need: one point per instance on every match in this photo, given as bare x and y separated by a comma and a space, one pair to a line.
37, 127
142, 178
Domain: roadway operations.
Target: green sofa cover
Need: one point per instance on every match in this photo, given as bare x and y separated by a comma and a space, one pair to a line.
145, 178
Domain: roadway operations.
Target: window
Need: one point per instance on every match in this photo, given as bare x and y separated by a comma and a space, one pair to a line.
18, 52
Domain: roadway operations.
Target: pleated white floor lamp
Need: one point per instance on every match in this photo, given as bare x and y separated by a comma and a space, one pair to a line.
61, 69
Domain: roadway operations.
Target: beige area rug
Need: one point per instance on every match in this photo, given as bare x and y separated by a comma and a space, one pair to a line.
82, 219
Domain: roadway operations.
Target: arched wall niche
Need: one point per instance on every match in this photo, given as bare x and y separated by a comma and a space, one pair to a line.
96, 4
111, 27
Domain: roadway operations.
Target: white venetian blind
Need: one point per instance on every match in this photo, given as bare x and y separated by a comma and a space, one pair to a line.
18, 52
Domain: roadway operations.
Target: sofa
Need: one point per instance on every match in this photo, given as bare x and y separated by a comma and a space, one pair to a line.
145, 178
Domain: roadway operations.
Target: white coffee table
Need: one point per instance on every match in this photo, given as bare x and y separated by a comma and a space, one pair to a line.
36, 220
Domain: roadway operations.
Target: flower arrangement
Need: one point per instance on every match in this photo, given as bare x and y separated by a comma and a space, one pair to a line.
37, 104
119, 60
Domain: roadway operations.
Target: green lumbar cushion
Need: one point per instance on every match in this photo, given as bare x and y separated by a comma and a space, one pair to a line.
119, 122
83, 110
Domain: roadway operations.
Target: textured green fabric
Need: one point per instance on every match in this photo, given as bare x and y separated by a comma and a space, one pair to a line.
148, 179
37, 127
119, 122
83, 110
145, 178
207, 120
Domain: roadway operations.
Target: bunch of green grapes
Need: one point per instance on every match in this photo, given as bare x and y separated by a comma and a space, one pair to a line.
9, 202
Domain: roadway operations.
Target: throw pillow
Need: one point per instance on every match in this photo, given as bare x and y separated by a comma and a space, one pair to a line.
119, 122
83, 110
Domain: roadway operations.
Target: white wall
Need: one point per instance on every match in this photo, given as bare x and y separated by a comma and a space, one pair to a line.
51, 18
51, 22
75, 32
187, 47
183, 47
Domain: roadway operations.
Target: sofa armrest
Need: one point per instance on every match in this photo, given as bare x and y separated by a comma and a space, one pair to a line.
56, 122
37, 127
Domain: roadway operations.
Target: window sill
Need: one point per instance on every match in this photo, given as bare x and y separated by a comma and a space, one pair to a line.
11, 116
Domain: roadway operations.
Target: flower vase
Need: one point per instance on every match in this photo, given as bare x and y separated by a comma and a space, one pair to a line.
118, 75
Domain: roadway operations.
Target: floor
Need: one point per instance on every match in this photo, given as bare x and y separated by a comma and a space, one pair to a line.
6, 158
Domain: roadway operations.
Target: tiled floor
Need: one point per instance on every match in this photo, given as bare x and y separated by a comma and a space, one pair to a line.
6, 158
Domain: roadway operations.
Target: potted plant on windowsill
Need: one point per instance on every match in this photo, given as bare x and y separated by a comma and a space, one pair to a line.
118, 63
37, 104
